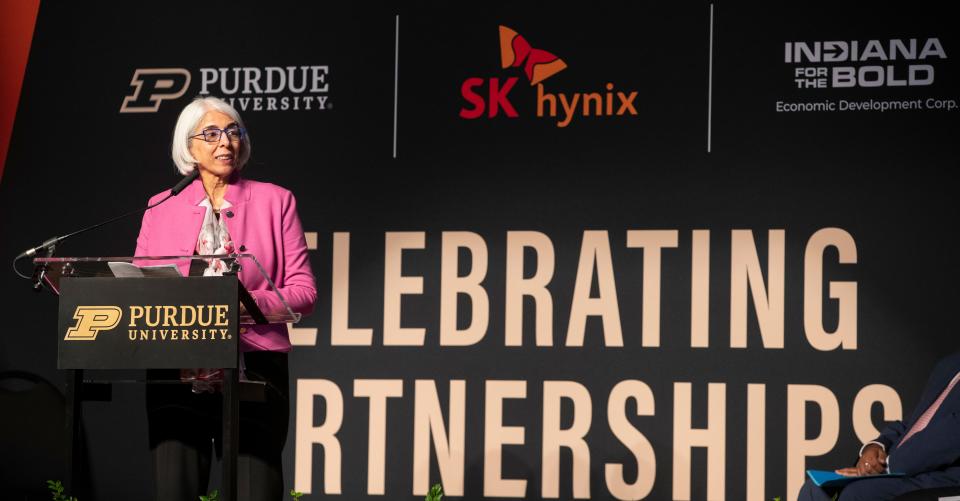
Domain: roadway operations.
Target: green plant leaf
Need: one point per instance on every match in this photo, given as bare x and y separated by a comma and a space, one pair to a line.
435, 494
56, 490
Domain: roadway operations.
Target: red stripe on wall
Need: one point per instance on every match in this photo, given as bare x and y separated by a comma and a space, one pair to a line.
17, 19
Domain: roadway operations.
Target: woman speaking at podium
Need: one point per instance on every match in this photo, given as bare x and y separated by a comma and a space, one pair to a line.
220, 212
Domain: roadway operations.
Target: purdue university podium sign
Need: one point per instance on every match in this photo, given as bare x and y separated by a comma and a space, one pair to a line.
140, 323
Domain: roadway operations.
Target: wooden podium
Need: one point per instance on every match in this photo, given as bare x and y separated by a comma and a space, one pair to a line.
142, 313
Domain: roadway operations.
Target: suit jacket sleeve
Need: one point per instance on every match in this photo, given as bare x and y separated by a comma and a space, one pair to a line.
894, 432
296, 283
891, 434
936, 447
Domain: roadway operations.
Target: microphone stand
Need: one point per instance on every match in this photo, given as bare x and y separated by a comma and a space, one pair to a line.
40, 270
49, 246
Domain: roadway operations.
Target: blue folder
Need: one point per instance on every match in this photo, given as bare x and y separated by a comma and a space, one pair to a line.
826, 478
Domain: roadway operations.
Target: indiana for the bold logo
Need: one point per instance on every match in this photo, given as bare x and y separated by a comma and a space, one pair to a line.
91, 320
539, 65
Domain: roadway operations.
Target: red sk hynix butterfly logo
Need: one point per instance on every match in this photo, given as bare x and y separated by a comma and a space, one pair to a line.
538, 64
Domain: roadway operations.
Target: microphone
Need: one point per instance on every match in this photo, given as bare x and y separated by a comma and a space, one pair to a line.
184, 182
50, 243
33, 250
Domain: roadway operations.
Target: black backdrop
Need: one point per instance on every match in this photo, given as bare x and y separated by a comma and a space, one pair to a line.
706, 150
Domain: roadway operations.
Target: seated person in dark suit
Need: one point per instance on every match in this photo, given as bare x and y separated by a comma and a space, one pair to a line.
925, 448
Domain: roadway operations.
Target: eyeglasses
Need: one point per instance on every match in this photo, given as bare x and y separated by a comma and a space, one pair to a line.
212, 135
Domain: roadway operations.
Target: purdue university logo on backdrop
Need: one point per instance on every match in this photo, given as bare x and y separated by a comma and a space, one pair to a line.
246, 88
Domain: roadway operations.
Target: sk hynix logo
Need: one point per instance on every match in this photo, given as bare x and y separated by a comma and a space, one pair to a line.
539, 65
154, 85
91, 320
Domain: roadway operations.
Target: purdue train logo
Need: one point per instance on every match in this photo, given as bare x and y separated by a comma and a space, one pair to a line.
91, 320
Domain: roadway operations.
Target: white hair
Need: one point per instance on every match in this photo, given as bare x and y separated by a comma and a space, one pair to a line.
187, 123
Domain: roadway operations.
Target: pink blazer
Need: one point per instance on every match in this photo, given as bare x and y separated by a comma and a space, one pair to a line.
262, 221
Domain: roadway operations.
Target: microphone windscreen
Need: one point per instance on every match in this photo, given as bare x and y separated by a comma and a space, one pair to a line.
185, 182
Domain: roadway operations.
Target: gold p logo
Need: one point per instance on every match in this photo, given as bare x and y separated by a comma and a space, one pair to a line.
91, 320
